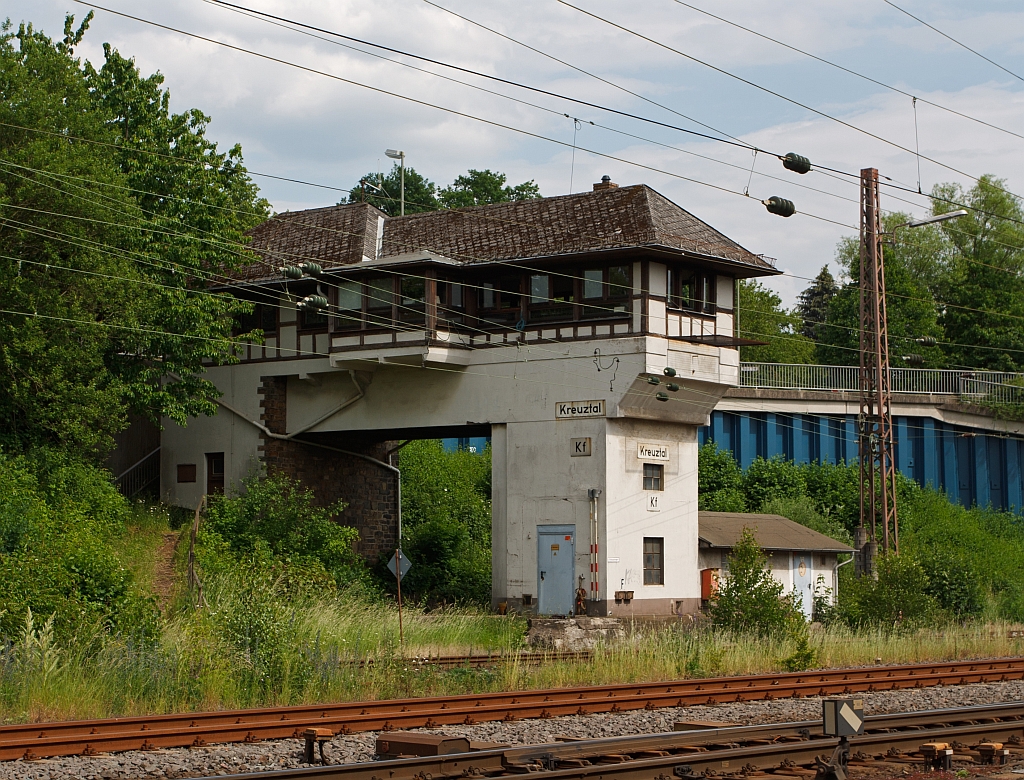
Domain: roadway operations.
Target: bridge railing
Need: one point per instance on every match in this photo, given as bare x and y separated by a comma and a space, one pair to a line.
988, 386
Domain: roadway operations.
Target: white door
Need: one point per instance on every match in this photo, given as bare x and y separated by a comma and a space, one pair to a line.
803, 582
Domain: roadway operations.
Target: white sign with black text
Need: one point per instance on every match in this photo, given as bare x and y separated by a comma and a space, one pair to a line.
576, 409
654, 502
579, 448
646, 450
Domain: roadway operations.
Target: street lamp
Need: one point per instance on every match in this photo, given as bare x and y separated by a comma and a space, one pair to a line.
932, 220
396, 154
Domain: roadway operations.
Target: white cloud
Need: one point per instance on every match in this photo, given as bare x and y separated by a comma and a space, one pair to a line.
303, 126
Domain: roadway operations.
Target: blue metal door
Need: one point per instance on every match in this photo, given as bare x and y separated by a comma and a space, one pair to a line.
803, 582
556, 556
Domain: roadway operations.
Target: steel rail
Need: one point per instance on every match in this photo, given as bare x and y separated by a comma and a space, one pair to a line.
197, 729
692, 754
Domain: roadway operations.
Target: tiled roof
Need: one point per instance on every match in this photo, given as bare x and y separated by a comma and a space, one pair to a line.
331, 236
773, 532
614, 218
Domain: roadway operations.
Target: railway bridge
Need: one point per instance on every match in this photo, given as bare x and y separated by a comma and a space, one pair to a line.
953, 429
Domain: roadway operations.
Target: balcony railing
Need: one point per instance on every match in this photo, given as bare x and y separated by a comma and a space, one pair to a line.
987, 386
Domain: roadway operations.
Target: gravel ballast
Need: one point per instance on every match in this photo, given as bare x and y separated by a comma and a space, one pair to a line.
287, 753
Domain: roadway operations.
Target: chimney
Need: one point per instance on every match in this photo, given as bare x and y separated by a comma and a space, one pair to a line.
606, 183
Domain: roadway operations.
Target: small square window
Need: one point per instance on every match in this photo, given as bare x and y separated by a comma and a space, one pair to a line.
654, 560
186, 472
654, 476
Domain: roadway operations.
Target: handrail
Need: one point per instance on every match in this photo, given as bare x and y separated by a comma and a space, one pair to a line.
986, 386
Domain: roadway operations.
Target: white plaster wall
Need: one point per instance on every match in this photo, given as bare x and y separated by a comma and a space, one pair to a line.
627, 519
225, 432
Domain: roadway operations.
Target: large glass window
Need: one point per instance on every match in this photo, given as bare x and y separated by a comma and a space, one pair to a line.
690, 290
499, 301
606, 291
312, 319
654, 560
380, 296
412, 304
350, 306
263, 316
539, 292
551, 297
451, 302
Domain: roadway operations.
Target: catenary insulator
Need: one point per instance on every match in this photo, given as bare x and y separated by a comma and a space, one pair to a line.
673, 387
779, 206
796, 163
661, 396
913, 359
926, 341
653, 380
669, 371
312, 269
313, 302
291, 272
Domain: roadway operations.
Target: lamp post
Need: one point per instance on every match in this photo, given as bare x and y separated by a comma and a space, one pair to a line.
396, 154
875, 433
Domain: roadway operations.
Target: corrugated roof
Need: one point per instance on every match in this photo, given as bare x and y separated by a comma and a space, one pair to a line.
773, 532
616, 218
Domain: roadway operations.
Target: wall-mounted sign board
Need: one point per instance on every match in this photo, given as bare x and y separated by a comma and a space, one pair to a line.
575, 409
580, 448
646, 450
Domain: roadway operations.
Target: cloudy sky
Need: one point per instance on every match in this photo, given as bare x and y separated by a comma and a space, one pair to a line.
297, 124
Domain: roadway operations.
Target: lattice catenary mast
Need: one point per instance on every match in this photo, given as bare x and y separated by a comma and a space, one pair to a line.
875, 435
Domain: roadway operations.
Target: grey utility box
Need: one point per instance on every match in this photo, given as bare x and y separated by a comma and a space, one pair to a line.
842, 717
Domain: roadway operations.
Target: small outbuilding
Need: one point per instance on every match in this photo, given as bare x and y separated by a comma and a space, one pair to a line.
800, 558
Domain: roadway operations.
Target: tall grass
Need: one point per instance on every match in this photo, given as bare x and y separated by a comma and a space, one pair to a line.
318, 651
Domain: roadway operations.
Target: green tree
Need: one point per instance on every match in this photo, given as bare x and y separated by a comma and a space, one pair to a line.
983, 289
768, 478
762, 318
446, 512
912, 310
479, 188
106, 287
384, 192
750, 599
719, 480
812, 306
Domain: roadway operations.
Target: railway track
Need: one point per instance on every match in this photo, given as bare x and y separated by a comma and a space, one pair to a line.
39, 740
534, 658
989, 734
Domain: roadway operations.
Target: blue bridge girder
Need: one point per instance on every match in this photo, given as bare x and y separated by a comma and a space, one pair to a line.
947, 432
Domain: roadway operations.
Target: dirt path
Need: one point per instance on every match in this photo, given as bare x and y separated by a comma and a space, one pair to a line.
163, 569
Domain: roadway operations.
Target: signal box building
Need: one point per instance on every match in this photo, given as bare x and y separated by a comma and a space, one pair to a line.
588, 335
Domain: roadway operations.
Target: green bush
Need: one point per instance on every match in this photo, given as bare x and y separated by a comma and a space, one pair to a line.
60, 524
276, 514
749, 600
803, 510
768, 478
834, 488
446, 513
898, 599
719, 480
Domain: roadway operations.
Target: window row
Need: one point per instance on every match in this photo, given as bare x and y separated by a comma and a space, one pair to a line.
691, 290
508, 300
